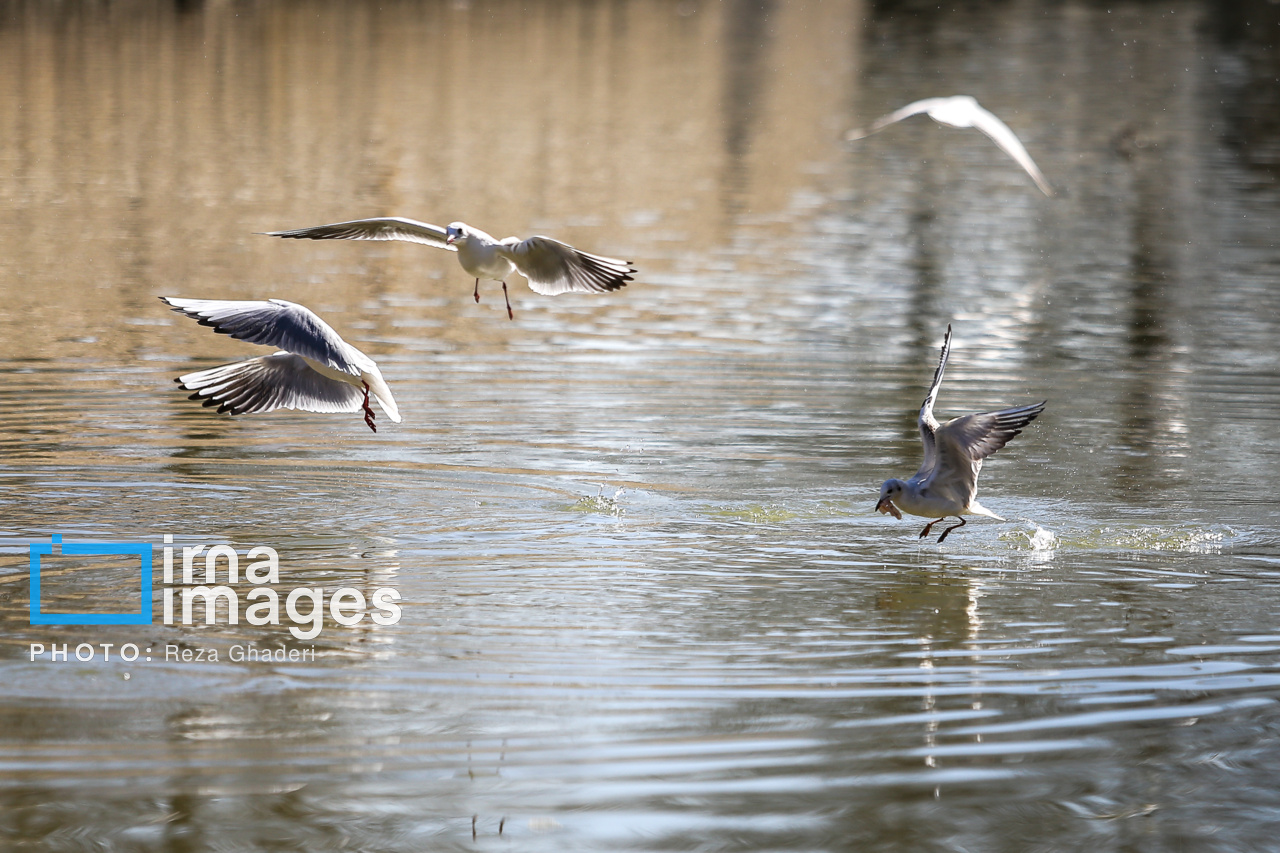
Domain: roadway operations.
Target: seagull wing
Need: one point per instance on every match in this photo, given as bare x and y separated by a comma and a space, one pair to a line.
553, 267
911, 109
279, 381
962, 444
385, 228
277, 323
999, 132
928, 423
977, 436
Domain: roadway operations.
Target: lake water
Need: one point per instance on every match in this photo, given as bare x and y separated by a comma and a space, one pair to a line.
646, 601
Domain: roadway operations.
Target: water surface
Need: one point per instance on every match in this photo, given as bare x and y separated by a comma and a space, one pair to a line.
647, 603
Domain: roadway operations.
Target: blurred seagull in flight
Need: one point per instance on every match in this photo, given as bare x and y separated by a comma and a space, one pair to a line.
315, 369
550, 266
947, 482
963, 111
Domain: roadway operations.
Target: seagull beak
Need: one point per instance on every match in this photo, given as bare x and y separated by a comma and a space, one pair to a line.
450, 239
886, 505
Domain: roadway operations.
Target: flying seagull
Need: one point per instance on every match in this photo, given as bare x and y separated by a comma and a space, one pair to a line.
963, 111
315, 369
947, 482
550, 266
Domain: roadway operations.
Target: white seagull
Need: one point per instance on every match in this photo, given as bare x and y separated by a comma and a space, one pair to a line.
550, 266
947, 482
963, 111
315, 369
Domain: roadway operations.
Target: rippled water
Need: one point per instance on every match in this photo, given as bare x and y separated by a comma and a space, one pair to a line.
647, 603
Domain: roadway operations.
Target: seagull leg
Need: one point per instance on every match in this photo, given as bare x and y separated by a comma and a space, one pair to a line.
951, 528
368, 412
928, 527
510, 314
477, 292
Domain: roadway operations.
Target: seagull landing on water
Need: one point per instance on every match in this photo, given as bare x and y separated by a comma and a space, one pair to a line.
315, 370
963, 111
550, 266
947, 482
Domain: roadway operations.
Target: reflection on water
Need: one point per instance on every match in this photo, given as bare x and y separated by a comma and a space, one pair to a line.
647, 602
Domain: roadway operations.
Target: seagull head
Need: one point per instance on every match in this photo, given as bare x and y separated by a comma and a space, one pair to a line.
890, 490
455, 232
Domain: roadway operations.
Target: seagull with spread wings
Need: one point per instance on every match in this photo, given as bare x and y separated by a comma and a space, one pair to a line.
315, 369
947, 482
550, 266
963, 111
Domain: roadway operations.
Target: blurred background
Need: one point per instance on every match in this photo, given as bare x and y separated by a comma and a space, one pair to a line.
648, 604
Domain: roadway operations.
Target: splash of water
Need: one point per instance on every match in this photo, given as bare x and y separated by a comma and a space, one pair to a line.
1039, 540
606, 505
1043, 540
1184, 538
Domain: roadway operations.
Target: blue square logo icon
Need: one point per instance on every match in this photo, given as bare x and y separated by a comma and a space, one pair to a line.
98, 549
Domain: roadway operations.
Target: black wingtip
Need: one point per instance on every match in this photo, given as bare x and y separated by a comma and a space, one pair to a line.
204, 321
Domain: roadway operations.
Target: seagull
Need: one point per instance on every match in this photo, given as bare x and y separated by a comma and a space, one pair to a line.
963, 111
947, 482
315, 369
550, 266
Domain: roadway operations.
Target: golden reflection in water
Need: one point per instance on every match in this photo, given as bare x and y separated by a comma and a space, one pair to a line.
145, 144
